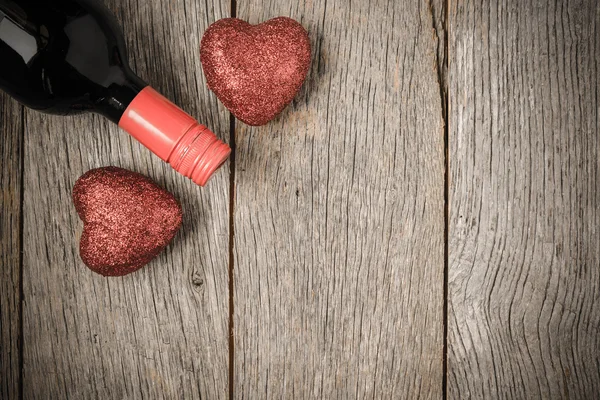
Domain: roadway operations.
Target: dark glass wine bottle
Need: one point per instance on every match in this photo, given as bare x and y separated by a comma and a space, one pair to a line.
69, 56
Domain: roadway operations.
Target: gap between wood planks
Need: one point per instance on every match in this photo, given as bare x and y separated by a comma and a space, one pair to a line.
233, 9
20, 340
444, 94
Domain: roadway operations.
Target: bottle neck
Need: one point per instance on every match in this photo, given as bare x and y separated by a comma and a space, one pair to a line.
119, 95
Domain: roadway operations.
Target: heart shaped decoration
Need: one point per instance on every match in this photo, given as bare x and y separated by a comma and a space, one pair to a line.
255, 70
128, 220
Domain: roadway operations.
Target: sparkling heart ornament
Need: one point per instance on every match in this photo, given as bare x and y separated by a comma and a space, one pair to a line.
128, 220
255, 70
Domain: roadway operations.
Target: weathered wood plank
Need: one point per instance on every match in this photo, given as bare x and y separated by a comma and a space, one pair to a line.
339, 213
524, 279
163, 331
11, 137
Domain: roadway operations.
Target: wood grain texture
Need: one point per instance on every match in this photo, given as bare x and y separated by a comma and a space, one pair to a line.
524, 278
163, 331
339, 213
11, 137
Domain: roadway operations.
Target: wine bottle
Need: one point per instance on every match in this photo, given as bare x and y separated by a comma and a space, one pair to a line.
68, 56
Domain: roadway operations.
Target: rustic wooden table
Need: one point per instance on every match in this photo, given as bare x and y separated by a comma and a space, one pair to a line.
422, 222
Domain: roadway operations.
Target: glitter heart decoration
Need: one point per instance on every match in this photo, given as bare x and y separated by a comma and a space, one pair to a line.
255, 70
128, 220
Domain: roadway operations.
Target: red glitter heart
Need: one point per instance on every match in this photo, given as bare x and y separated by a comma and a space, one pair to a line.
255, 70
128, 220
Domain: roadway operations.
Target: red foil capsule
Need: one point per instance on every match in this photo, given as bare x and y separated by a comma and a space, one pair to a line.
192, 149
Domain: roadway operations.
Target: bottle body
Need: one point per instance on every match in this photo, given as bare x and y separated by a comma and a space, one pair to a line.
68, 56
64, 57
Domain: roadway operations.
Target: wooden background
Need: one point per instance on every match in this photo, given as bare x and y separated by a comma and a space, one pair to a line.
422, 222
